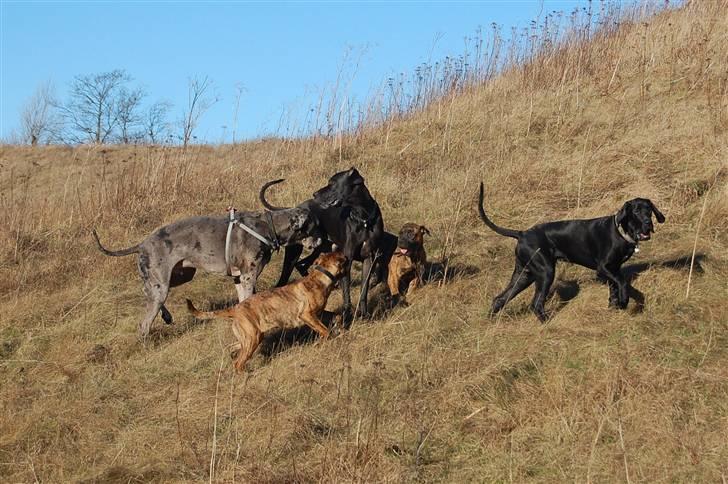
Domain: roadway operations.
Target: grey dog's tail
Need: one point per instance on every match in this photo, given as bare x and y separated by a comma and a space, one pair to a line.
516, 234
117, 253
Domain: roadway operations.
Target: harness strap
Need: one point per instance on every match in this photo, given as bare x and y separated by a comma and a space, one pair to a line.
275, 245
231, 222
324, 271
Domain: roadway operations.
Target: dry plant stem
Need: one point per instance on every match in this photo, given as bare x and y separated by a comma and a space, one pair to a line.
602, 419
695, 243
621, 443
214, 427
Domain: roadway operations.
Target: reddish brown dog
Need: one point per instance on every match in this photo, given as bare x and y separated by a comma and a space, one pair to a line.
408, 261
301, 301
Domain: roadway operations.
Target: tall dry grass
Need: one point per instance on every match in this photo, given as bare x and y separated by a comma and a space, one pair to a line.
437, 391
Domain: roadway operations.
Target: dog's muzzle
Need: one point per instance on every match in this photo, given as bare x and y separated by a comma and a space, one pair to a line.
310, 243
645, 234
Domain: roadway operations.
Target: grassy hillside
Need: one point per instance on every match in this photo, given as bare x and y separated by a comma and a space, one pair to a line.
437, 391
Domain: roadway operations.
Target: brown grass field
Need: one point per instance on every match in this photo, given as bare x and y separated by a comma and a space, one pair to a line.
439, 391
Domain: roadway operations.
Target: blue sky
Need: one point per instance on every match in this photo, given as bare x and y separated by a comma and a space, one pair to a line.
282, 53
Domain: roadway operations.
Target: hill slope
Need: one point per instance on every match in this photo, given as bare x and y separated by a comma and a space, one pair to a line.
435, 391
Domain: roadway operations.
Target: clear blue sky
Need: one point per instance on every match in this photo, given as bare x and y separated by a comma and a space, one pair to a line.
282, 53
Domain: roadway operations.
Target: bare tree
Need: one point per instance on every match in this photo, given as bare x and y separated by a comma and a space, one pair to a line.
128, 116
155, 122
39, 120
92, 112
198, 102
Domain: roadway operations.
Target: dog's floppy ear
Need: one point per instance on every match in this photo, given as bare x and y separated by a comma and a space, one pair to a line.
658, 215
424, 230
623, 212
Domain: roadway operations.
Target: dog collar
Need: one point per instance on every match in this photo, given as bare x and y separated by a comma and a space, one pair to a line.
324, 271
367, 222
626, 236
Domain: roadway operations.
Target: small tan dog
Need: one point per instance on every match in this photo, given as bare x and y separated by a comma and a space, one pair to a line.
407, 263
301, 301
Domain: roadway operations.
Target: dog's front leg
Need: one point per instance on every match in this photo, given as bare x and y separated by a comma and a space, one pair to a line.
618, 287
313, 322
290, 256
346, 313
613, 294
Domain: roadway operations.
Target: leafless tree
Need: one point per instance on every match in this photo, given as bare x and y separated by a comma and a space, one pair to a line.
155, 122
92, 111
129, 118
39, 121
199, 101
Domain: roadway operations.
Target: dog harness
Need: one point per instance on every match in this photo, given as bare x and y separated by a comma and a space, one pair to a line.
233, 220
324, 271
626, 236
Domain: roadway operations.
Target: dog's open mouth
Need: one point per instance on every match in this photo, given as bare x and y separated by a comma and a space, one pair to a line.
403, 251
644, 236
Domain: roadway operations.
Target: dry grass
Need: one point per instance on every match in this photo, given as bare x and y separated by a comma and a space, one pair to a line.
438, 391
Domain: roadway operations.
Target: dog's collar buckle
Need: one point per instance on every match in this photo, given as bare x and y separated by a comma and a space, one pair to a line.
324, 271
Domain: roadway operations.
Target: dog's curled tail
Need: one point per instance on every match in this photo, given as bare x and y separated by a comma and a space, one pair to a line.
516, 234
261, 194
224, 313
114, 253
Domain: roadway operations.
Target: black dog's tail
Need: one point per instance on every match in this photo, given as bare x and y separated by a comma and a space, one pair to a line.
516, 234
117, 253
261, 195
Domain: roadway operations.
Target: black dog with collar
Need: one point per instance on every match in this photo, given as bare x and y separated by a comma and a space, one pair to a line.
602, 244
351, 218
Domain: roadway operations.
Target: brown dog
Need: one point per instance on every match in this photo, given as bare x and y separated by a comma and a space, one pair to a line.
408, 261
301, 301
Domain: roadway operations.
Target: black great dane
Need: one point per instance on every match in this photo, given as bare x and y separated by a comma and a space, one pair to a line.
351, 218
602, 244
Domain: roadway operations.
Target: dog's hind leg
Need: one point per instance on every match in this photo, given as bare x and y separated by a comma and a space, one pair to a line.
156, 287
249, 337
166, 315
157, 295
180, 275
362, 304
544, 279
520, 280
